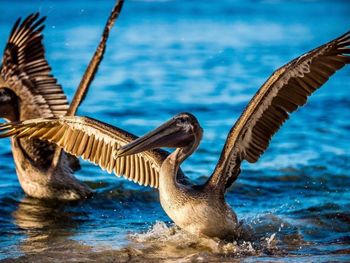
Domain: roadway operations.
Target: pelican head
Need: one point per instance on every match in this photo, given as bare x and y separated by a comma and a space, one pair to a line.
8, 102
182, 131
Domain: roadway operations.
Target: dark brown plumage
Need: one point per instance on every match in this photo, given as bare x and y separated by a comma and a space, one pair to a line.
92, 68
27, 73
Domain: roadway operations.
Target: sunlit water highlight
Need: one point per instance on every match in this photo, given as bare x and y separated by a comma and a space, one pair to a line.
208, 58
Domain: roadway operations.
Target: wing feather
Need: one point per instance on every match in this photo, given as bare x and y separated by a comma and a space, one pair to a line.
94, 141
287, 89
25, 69
92, 68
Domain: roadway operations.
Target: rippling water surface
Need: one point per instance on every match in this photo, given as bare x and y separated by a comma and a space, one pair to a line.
208, 58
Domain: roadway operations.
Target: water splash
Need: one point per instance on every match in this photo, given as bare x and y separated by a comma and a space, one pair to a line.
169, 241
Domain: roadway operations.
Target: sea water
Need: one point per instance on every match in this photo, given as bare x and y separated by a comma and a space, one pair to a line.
207, 58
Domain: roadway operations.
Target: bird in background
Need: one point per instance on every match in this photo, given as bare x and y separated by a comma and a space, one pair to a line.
28, 90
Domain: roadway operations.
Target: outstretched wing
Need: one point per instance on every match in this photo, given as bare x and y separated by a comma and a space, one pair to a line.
92, 68
285, 91
27, 72
93, 141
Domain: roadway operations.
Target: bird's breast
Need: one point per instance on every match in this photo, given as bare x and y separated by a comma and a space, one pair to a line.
200, 215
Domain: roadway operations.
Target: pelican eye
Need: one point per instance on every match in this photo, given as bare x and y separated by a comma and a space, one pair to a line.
181, 121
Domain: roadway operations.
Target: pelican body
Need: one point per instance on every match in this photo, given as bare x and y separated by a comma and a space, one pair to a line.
28, 91
199, 209
194, 208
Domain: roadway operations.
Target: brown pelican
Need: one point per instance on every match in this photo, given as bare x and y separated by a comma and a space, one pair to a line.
28, 90
199, 209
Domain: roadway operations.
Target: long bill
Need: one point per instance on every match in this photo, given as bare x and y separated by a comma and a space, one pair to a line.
167, 135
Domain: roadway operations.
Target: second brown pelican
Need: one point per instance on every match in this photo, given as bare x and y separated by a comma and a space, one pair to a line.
28, 90
199, 209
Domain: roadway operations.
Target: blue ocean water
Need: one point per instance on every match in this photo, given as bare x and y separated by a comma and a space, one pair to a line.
207, 58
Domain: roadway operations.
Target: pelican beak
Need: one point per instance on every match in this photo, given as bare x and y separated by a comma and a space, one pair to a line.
167, 135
